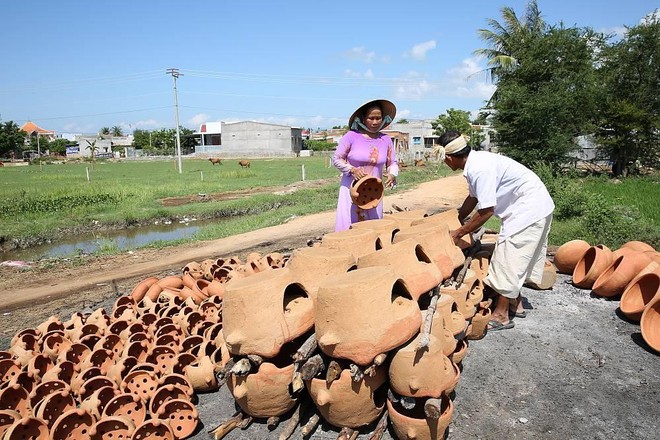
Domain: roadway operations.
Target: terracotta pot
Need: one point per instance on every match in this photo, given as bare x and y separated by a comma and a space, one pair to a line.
367, 192
311, 265
26, 379
410, 262
452, 318
440, 332
178, 380
44, 389
449, 218
100, 358
569, 254
52, 323
32, 428
403, 219
80, 378
386, 229
27, 341
467, 296
364, 313
63, 371
163, 357
112, 428
548, 278
7, 418
358, 242
264, 393
265, 311
96, 402
409, 425
93, 384
638, 246
593, 263
619, 273
345, 403
181, 415
479, 324
125, 300
423, 373
216, 288
140, 383
201, 375
9, 369
163, 394
54, 405
99, 317
137, 349
118, 371
126, 405
76, 354
460, 353
54, 344
141, 289
113, 343
75, 423
153, 429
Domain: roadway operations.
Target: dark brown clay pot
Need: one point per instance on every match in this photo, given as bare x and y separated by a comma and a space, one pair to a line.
75, 423
32, 428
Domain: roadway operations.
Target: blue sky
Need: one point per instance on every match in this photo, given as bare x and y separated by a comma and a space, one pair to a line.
77, 66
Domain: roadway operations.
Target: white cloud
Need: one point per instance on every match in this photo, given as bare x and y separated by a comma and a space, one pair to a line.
199, 119
618, 31
413, 86
360, 54
418, 51
368, 74
650, 18
148, 124
403, 114
466, 81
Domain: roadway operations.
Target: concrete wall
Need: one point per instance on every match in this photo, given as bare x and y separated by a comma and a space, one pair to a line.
259, 139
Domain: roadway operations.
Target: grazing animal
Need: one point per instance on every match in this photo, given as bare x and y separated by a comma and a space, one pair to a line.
420, 163
244, 163
215, 161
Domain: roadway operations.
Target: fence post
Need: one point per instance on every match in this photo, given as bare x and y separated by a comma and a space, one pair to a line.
87, 171
303, 172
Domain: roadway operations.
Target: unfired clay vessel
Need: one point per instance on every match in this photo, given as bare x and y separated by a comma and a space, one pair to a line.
405, 218
568, 255
416, 426
637, 296
449, 218
619, 273
386, 229
264, 393
593, 263
367, 192
311, 265
363, 313
359, 242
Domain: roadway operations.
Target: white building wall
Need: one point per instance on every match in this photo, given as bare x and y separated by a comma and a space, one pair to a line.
259, 139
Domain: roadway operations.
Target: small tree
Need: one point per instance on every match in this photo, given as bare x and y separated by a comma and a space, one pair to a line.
91, 146
117, 131
11, 139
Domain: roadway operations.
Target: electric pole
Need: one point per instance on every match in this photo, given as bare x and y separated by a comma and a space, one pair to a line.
175, 74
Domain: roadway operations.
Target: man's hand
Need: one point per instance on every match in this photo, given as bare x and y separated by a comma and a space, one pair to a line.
391, 181
456, 235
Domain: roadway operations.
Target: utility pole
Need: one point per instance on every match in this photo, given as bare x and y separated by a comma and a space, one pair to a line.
175, 74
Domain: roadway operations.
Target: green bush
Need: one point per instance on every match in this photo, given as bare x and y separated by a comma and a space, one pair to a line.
320, 145
567, 193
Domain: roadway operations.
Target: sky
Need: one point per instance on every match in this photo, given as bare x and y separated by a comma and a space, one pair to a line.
77, 66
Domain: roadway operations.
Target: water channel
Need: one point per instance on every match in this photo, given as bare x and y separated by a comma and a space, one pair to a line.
125, 239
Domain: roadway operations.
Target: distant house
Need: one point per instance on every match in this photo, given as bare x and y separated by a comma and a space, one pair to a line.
248, 138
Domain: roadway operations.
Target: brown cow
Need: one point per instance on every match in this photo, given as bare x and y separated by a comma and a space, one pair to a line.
215, 161
244, 163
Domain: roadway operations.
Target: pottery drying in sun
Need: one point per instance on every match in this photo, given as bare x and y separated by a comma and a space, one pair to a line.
264, 393
311, 265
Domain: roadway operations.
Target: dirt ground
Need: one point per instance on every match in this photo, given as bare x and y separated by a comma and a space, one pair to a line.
572, 369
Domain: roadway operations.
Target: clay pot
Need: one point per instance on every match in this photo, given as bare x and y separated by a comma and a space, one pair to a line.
449, 218
113, 343
452, 318
423, 373
568, 255
52, 323
311, 265
201, 375
137, 349
403, 219
93, 384
44, 389
7, 418
181, 415
358, 242
153, 429
9, 369
467, 296
548, 278
650, 323
479, 324
409, 425
75, 423
141, 289
638, 295
63, 371
459, 354
27, 340
617, 275
441, 333
435, 239
410, 262
345, 403
264, 393
54, 405
26, 379
54, 344
263, 312
16, 398
118, 371
32, 428
593, 263
163, 394
367, 192
100, 358
126, 405
178, 380
364, 313
638, 246
140, 383
386, 229
163, 357
112, 428
96, 402
80, 378
216, 288
76, 354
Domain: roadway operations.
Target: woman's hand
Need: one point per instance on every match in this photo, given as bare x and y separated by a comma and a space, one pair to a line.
391, 181
357, 173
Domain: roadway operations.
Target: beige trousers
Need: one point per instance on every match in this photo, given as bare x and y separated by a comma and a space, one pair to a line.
519, 258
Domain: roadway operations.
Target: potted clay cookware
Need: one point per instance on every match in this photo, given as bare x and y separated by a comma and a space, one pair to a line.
452, 318
94, 384
137, 349
63, 371
54, 344
410, 262
182, 361
405, 218
9, 369
265, 311
26, 379
264, 393
133, 328
7, 418
617, 275
95, 403
459, 353
650, 323
311, 265
421, 373
593, 263
386, 229
210, 311
140, 383
74, 423
178, 380
413, 424
440, 332
163, 357
54, 405
638, 246
126, 405
216, 288
639, 294
27, 334
568, 255
101, 358
359, 242
16, 398
52, 323
363, 313
163, 394
99, 317
450, 218
44, 389
350, 404
479, 324
467, 296
80, 378
367, 192
111, 342
437, 242
76, 354
119, 370
32, 428
142, 287
112, 428
201, 375
181, 415
153, 429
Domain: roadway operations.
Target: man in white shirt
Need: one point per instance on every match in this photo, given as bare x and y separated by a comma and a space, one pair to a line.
502, 187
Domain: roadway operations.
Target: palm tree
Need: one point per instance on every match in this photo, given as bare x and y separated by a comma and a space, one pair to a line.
506, 38
91, 146
104, 131
116, 131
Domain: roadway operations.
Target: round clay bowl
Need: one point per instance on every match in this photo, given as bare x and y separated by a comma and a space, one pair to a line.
178, 380
592, 264
54, 405
153, 429
93, 384
166, 393
650, 324
111, 342
7, 418
44, 389
164, 358
126, 405
95, 404
140, 383
31, 428
62, 371
112, 428
182, 416
367, 192
73, 424
638, 295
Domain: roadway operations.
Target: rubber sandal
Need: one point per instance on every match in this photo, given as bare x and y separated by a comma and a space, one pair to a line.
497, 325
522, 314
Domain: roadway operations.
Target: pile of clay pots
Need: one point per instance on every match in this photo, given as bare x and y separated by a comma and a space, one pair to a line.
630, 273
